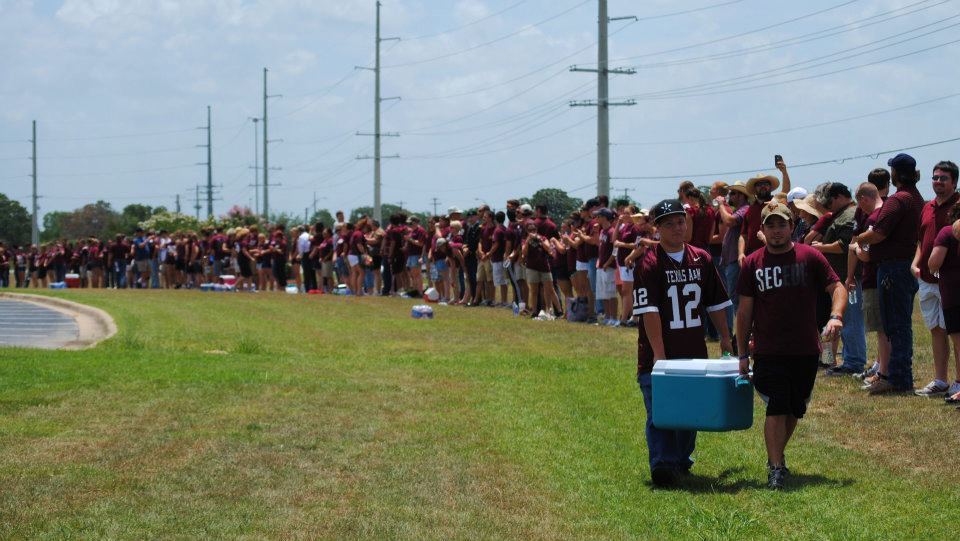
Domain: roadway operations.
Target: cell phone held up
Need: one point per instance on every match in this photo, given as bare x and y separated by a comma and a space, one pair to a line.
777, 160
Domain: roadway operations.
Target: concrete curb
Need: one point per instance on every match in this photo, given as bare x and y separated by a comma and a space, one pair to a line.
94, 324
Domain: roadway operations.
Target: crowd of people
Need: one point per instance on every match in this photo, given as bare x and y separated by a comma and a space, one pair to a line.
763, 252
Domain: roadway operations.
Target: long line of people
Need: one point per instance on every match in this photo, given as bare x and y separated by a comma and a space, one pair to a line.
581, 266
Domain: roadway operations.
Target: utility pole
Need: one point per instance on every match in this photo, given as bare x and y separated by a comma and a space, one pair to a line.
178, 203
400, 203
603, 102
35, 228
626, 192
435, 202
256, 167
377, 134
209, 164
197, 205
306, 218
266, 141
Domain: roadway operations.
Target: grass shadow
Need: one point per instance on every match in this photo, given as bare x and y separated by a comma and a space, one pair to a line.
726, 484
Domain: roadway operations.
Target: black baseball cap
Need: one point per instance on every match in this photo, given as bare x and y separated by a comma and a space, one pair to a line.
903, 163
667, 207
605, 212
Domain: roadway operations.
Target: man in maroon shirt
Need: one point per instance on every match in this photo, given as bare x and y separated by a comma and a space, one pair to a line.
501, 239
933, 218
676, 288
893, 244
761, 189
778, 302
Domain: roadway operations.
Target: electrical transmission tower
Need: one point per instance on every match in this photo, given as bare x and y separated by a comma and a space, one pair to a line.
602, 102
256, 167
377, 134
435, 203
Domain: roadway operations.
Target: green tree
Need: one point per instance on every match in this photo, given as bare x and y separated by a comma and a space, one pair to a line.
96, 220
239, 216
386, 210
53, 225
15, 224
558, 203
323, 216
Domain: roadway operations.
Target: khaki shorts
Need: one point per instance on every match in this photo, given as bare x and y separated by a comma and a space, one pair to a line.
872, 321
326, 269
538, 277
930, 305
484, 271
143, 265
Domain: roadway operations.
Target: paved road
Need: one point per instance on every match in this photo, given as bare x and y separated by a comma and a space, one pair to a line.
26, 324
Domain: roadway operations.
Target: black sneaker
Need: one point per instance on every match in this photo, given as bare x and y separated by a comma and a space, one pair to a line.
776, 477
662, 477
841, 371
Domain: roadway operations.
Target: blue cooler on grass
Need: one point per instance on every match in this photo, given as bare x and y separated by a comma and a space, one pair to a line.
701, 394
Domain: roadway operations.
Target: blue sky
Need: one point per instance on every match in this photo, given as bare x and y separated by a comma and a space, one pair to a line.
118, 88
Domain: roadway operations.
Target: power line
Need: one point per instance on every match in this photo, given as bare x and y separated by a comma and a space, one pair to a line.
871, 155
739, 35
461, 27
129, 172
794, 128
659, 96
770, 73
486, 43
522, 177
796, 40
688, 11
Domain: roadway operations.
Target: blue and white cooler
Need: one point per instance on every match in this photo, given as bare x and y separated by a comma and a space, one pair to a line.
701, 394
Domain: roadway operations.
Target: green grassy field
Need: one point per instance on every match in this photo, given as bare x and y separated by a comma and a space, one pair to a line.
278, 416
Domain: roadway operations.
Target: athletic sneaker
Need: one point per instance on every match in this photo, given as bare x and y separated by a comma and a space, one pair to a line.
868, 381
954, 388
880, 386
874, 368
934, 388
841, 371
776, 477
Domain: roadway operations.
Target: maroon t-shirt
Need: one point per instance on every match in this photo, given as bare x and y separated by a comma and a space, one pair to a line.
750, 227
682, 294
486, 237
325, 250
357, 241
900, 221
784, 288
537, 256
546, 228
418, 234
605, 250
703, 225
933, 218
119, 251
500, 235
591, 251
628, 233
823, 223
950, 270
868, 269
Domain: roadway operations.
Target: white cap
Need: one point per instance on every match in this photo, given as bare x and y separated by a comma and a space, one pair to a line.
526, 208
796, 193
454, 210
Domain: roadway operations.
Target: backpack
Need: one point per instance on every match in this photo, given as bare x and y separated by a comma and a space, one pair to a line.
577, 310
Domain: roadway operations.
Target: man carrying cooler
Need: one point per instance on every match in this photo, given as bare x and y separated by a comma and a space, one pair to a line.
778, 303
676, 287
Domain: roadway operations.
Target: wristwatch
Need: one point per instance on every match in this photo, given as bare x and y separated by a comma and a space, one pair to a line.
836, 317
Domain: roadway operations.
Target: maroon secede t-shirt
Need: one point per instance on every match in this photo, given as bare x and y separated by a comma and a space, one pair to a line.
950, 270
682, 294
785, 288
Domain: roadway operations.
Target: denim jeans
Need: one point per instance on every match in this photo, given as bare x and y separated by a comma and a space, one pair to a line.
897, 288
592, 276
154, 274
853, 333
730, 272
667, 448
119, 274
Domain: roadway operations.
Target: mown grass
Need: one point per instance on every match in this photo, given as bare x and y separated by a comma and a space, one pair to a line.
253, 416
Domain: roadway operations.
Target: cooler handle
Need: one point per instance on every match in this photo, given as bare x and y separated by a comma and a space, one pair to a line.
742, 381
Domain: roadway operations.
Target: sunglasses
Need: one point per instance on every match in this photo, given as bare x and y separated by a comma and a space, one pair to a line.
944, 178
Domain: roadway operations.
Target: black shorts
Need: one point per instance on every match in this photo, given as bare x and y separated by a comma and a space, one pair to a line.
951, 319
560, 273
245, 269
180, 265
785, 382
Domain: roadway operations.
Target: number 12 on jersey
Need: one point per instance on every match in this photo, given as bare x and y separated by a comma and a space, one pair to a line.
689, 296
